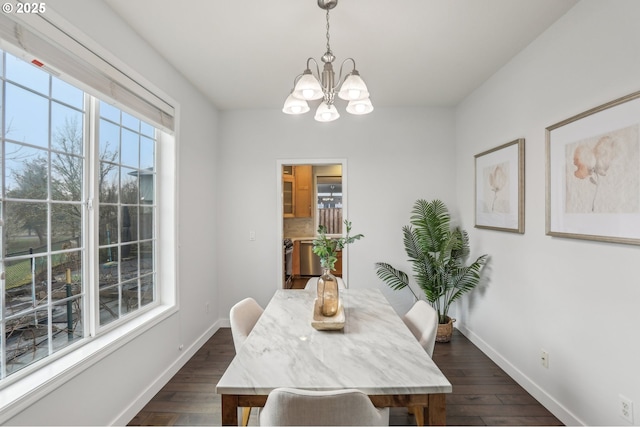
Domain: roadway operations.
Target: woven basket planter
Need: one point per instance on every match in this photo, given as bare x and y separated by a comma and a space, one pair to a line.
445, 330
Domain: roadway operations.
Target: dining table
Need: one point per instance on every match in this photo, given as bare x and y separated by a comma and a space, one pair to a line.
373, 351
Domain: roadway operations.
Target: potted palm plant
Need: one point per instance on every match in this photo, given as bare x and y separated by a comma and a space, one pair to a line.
438, 253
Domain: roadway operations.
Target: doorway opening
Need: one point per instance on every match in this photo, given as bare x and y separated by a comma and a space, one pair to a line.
311, 193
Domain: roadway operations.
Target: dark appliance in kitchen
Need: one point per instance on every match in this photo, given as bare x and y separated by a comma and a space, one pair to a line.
288, 263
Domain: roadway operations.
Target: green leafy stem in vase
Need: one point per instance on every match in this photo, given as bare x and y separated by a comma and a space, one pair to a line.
327, 247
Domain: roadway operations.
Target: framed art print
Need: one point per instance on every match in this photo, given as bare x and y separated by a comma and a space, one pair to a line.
500, 188
593, 174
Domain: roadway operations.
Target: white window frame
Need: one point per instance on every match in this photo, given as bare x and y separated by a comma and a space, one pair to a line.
20, 390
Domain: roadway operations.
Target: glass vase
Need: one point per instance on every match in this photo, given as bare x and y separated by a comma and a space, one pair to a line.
328, 293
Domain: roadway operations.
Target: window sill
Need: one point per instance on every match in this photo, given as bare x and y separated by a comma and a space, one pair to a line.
19, 394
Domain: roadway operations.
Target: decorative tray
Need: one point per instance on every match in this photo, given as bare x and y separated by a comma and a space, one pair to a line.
323, 323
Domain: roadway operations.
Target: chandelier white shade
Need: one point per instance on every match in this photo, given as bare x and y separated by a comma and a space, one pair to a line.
326, 113
293, 105
360, 106
353, 88
310, 87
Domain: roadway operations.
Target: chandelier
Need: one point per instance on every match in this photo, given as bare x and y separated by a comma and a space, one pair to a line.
309, 86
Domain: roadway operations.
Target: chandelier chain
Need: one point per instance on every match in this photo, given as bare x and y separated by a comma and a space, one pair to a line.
328, 46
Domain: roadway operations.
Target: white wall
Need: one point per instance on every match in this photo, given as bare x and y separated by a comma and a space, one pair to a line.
112, 390
394, 156
576, 299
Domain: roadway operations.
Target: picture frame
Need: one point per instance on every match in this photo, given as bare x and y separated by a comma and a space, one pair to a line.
593, 174
499, 188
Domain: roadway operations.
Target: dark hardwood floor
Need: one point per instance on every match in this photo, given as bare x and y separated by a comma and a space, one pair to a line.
483, 394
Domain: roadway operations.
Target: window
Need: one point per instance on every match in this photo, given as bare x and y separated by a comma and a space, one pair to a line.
66, 183
329, 203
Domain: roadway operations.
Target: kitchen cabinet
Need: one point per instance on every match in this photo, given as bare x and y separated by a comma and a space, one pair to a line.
297, 191
288, 196
304, 191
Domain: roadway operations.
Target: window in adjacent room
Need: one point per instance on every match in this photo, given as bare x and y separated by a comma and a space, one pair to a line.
329, 203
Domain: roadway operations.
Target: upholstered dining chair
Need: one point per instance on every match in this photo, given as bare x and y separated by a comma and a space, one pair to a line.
422, 321
346, 407
243, 317
312, 283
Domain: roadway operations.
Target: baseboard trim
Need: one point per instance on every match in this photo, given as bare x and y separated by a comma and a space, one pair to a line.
555, 407
136, 406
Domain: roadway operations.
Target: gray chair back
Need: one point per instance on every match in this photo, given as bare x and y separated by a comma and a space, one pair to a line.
243, 317
346, 407
422, 321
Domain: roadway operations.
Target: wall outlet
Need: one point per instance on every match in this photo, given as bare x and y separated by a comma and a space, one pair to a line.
544, 358
206, 307
626, 408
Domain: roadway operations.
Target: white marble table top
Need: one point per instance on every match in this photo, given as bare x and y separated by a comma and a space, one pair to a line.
375, 352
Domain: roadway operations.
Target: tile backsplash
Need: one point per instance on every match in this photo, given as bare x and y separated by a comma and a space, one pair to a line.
298, 227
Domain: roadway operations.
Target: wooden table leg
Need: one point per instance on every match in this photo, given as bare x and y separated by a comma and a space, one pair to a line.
229, 410
436, 413
418, 412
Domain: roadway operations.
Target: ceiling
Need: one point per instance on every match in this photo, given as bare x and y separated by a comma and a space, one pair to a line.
245, 54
